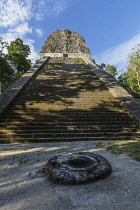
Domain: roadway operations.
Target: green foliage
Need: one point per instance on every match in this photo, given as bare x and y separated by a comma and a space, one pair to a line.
111, 70
6, 73
17, 53
15, 76
19, 61
133, 70
102, 66
13, 65
18, 47
123, 78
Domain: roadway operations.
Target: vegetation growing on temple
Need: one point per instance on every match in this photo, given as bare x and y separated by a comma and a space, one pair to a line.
131, 77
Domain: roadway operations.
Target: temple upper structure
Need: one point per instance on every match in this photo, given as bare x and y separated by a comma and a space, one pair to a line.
65, 43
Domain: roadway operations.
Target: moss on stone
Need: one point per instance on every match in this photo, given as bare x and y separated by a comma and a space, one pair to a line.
59, 61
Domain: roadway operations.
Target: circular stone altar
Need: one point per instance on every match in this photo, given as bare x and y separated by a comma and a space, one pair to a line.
77, 168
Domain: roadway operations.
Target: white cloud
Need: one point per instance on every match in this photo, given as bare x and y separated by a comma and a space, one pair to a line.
50, 8
59, 7
118, 55
39, 32
15, 16
14, 12
17, 32
20, 30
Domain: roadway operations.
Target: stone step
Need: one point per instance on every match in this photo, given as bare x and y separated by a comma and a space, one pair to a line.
63, 139
69, 111
63, 116
43, 117
66, 124
43, 99
101, 112
70, 105
65, 127
56, 129
33, 119
73, 104
67, 119
95, 112
50, 100
66, 105
66, 130
69, 134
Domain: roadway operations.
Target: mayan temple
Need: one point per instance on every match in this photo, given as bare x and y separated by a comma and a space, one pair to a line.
65, 96
65, 43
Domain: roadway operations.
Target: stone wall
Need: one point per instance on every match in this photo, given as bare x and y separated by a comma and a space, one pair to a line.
114, 86
62, 55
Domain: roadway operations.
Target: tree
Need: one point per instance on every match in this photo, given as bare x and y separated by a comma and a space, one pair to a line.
19, 62
19, 47
123, 78
15, 63
17, 54
6, 73
102, 66
111, 70
3, 44
133, 70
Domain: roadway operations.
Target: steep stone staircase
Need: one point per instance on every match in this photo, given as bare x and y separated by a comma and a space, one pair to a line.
66, 103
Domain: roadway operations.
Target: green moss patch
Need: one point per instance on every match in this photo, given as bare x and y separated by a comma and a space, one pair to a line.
52, 65
131, 148
58, 60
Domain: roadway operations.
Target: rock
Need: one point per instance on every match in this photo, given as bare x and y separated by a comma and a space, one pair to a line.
77, 168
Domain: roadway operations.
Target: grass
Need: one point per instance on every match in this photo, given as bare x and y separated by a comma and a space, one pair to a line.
131, 148
52, 65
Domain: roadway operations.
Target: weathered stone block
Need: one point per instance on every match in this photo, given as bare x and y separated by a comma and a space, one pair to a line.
77, 168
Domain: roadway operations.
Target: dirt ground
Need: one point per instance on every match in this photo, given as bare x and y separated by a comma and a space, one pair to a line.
24, 186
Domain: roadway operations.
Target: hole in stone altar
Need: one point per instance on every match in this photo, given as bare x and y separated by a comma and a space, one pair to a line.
80, 162
65, 55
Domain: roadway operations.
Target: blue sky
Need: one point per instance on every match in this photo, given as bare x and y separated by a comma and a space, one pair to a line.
110, 27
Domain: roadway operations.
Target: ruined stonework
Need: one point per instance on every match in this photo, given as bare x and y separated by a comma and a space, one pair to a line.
65, 43
77, 168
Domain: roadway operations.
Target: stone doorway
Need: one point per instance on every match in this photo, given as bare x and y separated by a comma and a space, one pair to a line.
65, 55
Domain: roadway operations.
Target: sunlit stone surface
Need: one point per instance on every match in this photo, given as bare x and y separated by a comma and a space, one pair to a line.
77, 168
